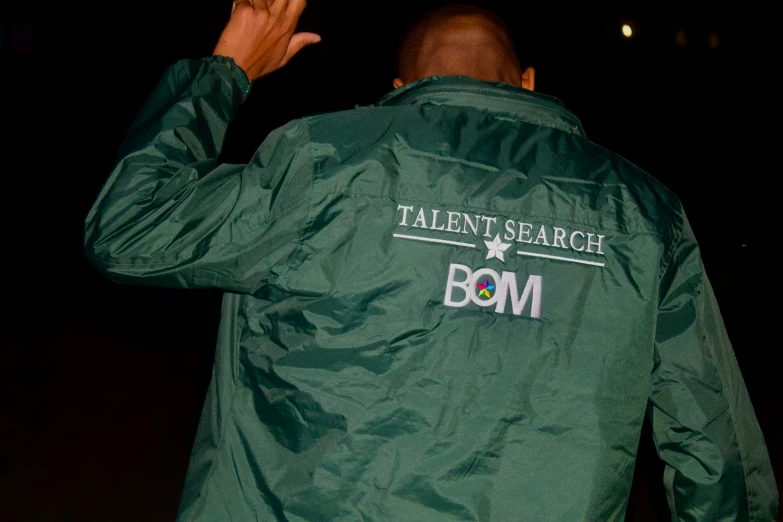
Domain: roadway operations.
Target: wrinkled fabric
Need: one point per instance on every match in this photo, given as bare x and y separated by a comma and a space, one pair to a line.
447, 306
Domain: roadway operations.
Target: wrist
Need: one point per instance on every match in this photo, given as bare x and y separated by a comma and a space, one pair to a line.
237, 73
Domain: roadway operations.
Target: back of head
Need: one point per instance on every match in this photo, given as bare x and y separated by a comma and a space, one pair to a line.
460, 39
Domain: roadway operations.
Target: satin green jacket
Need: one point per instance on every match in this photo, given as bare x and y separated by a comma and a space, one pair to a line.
448, 306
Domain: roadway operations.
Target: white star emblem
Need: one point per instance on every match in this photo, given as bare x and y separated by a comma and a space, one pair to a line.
496, 248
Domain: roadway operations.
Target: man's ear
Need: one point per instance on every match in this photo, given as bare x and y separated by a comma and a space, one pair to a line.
529, 79
397, 83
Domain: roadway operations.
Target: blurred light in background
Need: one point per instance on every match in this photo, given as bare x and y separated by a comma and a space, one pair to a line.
627, 30
680, 38
713, 40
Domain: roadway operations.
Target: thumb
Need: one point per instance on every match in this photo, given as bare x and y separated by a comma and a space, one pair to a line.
298, 42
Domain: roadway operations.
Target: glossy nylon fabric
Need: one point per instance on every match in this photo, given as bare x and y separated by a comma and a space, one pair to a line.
361, 375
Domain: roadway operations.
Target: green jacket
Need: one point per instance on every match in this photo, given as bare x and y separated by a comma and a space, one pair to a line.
447, 306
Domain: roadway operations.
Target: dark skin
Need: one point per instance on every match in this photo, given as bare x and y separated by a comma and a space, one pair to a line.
463, 40
261, 35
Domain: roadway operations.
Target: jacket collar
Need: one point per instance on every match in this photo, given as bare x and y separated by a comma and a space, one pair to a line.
493, 96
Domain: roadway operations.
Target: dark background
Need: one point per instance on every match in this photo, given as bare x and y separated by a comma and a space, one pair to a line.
101, 385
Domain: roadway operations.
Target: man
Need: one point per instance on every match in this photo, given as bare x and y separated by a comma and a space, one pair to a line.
448, 306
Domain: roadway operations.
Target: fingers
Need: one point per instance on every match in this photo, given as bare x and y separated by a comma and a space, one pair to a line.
261, 37
529, 79
236, 3
295, 7
298, 42
277, 7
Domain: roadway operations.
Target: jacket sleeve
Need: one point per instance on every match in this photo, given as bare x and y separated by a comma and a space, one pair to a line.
171, 215
704, 426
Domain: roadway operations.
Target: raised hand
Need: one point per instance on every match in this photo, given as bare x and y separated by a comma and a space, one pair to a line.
260, 35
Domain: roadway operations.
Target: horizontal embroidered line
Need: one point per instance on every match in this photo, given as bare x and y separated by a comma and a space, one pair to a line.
593, 263
433, 240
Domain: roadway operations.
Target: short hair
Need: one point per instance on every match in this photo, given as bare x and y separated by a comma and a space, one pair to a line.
413, 36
